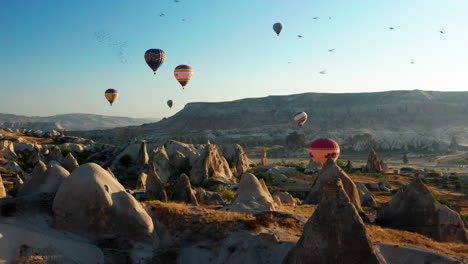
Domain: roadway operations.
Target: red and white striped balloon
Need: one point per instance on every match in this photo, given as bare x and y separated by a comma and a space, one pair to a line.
300, 118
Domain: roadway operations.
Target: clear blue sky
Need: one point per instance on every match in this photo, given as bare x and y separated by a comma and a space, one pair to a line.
52, 63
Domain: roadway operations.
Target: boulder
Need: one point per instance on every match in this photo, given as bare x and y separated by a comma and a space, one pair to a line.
209, 198
70, 163
55, 154
331, 171
252, 196
94, 203
278, 175
180, 163
17, 183
335, 233
44, 179
284, 198
7, 151
143, 158
264, 161
35, 156
236, 158
154, 186
141, 182
111, 173
313, 166
162, 164
414, 209
183, 191
372, 186
12, 166
208, 165
374, 164
385, 186
367, 199
2, 188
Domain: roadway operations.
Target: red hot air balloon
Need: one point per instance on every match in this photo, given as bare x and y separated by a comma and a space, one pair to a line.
322, 149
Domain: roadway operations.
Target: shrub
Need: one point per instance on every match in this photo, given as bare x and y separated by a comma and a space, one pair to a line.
232, 165
250, 171
8, 186
170, 189
442, 200
466, 216
341, 163
405, 159
29, 134
426, 181
253, 165
228, 195
268, 178
126, 160
458, 185
66, 150
217, 188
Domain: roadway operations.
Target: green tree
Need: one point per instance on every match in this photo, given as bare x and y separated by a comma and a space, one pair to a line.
405, 159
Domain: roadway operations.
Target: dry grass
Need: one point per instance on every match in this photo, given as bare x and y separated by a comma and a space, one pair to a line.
399, 237
305, 210
298, 176
203, 214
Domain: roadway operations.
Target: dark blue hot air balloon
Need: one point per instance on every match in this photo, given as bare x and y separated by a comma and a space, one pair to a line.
155, 58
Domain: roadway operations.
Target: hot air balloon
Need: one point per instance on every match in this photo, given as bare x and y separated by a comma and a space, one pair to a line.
300, 118
277, 27
111, 95
155, 58
322, 149
170, 103
183, 74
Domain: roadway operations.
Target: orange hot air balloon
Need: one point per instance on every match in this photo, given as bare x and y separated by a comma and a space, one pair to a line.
322, 149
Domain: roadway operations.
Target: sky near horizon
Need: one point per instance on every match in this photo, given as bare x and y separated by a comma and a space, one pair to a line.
59, 57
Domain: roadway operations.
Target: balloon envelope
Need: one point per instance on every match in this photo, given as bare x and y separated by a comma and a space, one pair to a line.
322, 149
183, 74
300, 118
277, 27
155, 58
111, 95
169, 103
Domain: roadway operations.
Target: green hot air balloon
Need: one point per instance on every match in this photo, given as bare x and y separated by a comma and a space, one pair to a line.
277, 27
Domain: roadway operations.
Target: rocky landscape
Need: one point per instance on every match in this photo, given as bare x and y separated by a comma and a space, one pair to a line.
69, 122
72, 200
387, 121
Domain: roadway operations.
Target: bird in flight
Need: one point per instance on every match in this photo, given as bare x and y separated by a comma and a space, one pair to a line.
331, 50
330, 18
162, 15
183, 19
323, 72
412, 62
299, 36
176, 1
391, 28
441, 31
315, 18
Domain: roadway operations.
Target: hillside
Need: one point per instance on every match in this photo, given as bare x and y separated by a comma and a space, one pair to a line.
394, 120
70, 121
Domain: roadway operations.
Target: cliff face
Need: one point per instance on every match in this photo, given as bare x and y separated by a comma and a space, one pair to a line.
395, 120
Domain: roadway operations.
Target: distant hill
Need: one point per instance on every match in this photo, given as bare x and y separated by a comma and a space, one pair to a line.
394, 120
71, 121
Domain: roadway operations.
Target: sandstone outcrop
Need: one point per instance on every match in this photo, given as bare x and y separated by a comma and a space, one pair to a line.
335, 233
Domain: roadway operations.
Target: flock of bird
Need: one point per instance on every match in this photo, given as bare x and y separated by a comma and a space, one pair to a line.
183, 73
